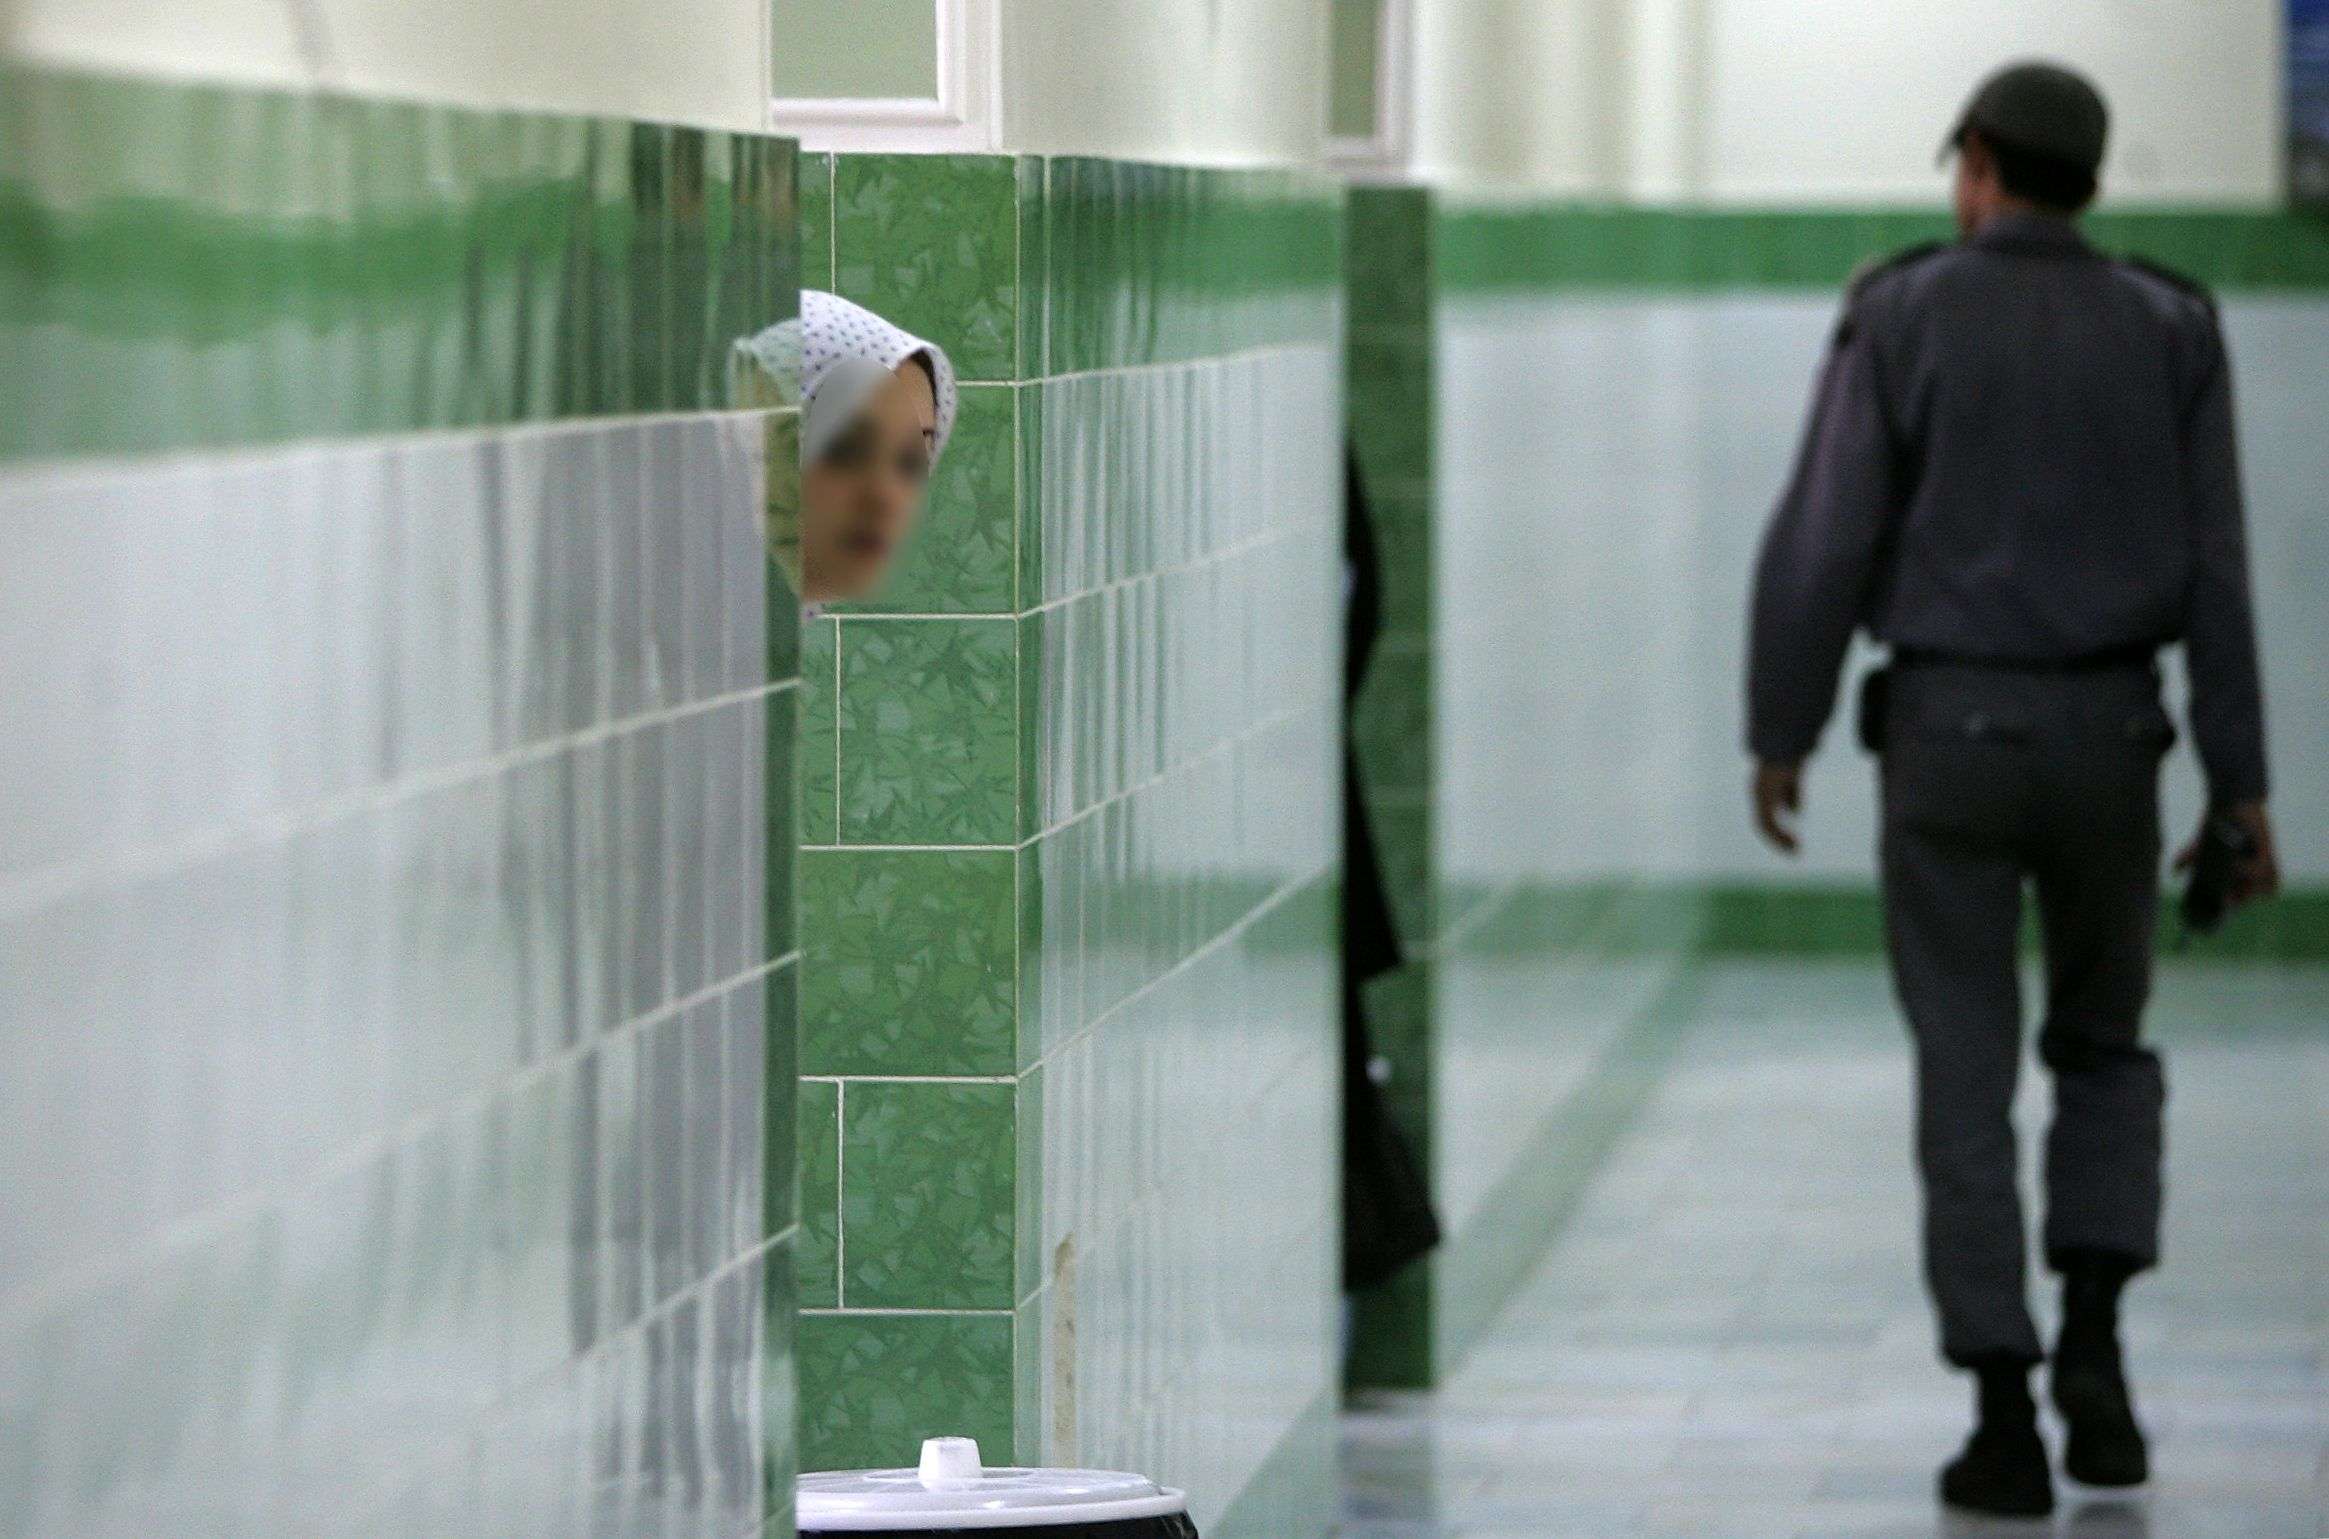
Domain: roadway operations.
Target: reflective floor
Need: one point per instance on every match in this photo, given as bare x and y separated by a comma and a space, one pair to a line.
1730, 1339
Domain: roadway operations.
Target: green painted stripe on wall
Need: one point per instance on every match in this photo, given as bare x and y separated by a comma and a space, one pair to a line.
1021, 758
1587, 246
187, 266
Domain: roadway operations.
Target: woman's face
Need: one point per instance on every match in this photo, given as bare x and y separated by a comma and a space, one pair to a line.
860, 498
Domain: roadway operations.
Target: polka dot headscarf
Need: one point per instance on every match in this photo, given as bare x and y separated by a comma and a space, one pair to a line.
840, 353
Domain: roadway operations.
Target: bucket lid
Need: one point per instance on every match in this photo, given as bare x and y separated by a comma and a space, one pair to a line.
952, 1489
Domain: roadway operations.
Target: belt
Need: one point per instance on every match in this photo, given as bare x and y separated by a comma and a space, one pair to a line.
2135, 654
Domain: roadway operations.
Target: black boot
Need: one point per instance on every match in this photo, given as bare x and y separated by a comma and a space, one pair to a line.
2089, 1380
2003, 1469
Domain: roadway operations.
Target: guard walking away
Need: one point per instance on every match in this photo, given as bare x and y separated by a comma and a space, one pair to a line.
2020, 476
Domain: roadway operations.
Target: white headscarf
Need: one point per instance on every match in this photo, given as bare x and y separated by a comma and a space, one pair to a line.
841, 353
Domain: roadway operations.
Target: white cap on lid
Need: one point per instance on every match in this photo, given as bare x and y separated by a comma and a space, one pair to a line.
953, 1490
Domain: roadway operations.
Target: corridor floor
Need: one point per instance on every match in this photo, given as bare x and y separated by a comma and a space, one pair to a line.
1729, 1338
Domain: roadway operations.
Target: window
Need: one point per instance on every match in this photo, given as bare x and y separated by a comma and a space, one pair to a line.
1368, 90
884, 74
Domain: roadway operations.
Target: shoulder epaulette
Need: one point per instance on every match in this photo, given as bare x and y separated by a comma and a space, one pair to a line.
2175, 280
1875, 267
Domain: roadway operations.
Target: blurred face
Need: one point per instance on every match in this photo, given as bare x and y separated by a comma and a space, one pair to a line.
860, 499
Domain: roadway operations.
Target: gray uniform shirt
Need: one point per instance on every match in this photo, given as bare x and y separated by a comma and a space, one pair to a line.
2020, 449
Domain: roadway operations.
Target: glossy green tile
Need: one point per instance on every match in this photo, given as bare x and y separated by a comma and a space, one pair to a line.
818, 1149
1032, 174
819, 767
929, 735
781, 461
1401, 522
1389, 246
931, 243
1027, 1268
908, 963
1390, 396
927, 1212
780, 1391
1035, 794
816, 203
1084, 226
1391, 722
1170, 230
962, 559
780, 1055
1151, 818
1403, 846
783, 849
465, 268
874, 1386
1398, 1006
1033, 585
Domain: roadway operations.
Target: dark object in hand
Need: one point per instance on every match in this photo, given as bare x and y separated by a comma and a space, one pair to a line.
2224, 845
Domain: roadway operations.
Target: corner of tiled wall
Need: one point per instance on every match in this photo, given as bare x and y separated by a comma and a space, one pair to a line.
1066, 872
398, 712
1392, 406
910, 833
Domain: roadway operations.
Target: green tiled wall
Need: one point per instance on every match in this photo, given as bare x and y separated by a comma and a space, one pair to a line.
397, 945
1068, 1041
352, 266
1389, 393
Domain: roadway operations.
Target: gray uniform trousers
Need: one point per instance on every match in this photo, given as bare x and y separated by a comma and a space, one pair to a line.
1991, 778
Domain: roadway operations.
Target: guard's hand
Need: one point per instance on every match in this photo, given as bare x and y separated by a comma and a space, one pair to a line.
2258, 876
1778, 796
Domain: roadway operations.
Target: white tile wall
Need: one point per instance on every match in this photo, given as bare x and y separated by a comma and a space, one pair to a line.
382, 980
1184, 1093
1640, 440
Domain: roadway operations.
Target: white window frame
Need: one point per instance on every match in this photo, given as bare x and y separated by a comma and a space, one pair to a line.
962, 117
1385, 151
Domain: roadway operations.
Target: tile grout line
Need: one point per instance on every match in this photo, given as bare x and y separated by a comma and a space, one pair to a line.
840, 1189
1243, 922
1244, 547
836, 728
73, 472
698, 1291
28, 891
355, 1153
908, 1079
1266, 725
893, 1311
1259, 354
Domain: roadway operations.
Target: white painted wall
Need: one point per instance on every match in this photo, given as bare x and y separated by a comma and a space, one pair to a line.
1844, 100
1827, 101
1522, 94
690, 61
1221, 82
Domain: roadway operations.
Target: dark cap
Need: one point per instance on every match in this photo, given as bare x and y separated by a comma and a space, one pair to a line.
2042, 108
